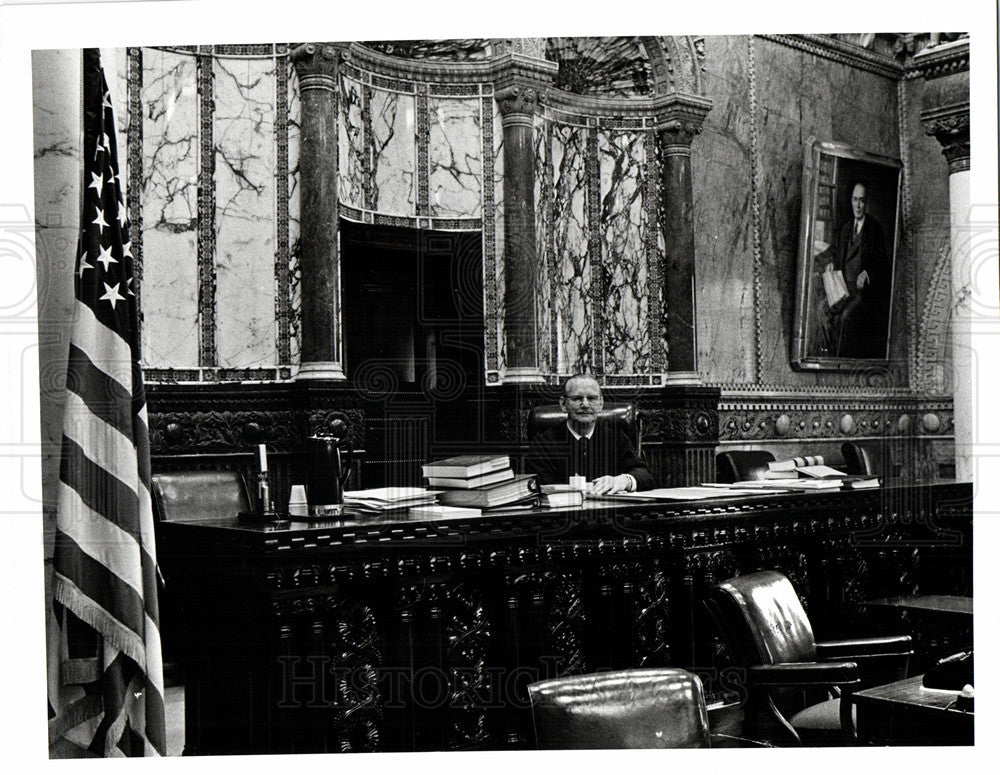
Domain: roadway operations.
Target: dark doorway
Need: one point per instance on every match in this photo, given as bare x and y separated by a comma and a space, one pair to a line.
413, 323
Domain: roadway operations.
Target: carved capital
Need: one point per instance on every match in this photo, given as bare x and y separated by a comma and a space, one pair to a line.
949, 124
679, 117
518, 82
517, 99
316, 64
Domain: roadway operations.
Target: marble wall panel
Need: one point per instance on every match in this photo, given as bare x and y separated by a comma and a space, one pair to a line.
455, 158
294, 222
57, 169
243, 135
494, 295
169, 210
720, 169
543, 244
351, 144
572, 283
621, 156
394, 152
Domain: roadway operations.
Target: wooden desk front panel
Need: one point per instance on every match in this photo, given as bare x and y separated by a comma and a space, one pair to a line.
421, 636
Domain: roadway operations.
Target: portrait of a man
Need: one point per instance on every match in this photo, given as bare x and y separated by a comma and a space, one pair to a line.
849, 217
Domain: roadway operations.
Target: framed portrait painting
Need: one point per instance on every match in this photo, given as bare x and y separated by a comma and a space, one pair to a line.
848, 240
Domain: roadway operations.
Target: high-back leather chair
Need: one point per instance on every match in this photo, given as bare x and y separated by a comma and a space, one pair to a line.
767, 629
651, 708
869, 457
545, 416
186, 496
741, 465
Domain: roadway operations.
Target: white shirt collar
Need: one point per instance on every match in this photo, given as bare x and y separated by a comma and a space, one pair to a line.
576, 435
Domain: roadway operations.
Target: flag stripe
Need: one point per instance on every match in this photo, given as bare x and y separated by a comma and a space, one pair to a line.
104, 541
104, 347
103, 445
103, 494
104, 396
113, 607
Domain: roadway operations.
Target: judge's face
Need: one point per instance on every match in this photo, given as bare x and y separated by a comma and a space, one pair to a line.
859, 198
582, 402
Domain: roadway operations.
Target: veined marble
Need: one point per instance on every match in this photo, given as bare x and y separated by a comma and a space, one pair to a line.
244, 212
543, 244
294, 210
350, 145
623, 224
169, 210
494, 294
394, 152
572, 282
455, 177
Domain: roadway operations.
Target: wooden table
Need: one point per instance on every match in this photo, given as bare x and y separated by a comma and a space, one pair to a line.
905, 713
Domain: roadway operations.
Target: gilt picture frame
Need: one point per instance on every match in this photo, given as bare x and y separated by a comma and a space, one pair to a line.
848, 241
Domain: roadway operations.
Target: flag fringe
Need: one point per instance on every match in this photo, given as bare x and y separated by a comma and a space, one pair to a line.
108, 626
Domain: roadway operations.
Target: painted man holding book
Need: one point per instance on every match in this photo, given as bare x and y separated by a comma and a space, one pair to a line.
588, 446
857, 325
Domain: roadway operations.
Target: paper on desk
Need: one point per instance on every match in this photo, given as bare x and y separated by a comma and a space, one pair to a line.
683, 494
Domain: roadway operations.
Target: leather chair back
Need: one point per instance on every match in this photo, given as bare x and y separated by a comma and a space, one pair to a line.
869, 457
741, 465
762, 617
186, 496
542, 417
653, 708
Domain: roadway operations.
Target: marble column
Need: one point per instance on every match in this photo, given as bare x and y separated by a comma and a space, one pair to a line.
945, 116
679, 119
519, 79
316, 68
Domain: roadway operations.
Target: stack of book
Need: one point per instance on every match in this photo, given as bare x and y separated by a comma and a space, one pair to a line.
480, 481
558, 496
808, 473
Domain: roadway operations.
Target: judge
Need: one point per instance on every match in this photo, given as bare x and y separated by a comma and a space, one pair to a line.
599, 450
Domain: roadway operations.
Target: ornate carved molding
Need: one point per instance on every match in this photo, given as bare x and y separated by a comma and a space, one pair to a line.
838, 51
940, 60
949, 125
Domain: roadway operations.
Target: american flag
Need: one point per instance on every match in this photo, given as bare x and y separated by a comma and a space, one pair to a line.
109, 698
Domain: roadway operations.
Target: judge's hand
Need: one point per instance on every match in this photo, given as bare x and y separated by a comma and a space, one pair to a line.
608, 485
863, 280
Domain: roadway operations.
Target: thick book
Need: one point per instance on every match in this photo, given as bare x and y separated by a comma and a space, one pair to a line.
475, 481
860, 482
790, 484
793, 474
820, 472
517, 489
561, 499
792, 463
466, 466
437, 511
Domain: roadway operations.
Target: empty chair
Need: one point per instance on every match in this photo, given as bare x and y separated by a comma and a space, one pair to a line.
186, 496
767, 629
651, 708
870, 457
741, 465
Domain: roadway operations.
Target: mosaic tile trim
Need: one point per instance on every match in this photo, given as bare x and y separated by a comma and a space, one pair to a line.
592, 167
207, 353
423, 155
213, 375
455, 90
281, 253
489, 240
654, 259
755, 208
135, 172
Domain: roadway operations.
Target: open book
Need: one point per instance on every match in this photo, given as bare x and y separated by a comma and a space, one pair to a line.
835, 288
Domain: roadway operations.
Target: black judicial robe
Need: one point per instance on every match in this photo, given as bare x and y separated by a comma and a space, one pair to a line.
556, 455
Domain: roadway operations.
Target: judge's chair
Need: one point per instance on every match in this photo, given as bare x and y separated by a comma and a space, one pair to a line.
541, 418
186, 496
768, 631
741, 465
652, 708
